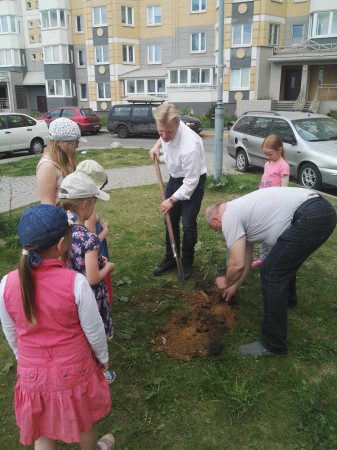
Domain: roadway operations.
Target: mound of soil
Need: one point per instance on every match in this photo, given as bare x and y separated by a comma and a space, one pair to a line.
200, 330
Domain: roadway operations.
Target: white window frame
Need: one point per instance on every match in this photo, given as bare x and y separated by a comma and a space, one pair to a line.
299, 25
57, 54
314, 20
48, 17
140, 86
274, 34
153, 18
184, 77
243, 42
128, 14
59, 88
82, 98
10, 57
201, 42
30, 24
8, 25
129, 51
79, 24
154, 54
99, 16
198, 6
78, 58
106, 90
102, 54
242, 73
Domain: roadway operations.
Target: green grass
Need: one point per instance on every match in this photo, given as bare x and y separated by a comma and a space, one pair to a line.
108, 158
226, 402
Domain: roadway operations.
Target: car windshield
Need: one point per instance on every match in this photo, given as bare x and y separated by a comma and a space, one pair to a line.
316, 129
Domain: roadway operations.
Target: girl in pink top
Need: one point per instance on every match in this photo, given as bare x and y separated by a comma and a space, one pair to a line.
51, 321
276, 174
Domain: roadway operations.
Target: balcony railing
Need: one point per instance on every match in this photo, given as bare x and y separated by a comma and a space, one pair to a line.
307, 46
4, 104
327, 92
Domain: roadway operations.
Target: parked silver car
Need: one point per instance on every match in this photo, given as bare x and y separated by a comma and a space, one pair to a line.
22, 132
310, 143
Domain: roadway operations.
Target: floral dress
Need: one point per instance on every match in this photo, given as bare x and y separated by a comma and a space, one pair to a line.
83, 241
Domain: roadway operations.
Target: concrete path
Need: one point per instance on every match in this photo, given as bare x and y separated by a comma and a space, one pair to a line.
21, 191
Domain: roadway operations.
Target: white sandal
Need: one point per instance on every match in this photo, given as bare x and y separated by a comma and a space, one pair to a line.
107, 442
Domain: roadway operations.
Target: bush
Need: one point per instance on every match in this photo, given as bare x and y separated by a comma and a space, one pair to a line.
333, 113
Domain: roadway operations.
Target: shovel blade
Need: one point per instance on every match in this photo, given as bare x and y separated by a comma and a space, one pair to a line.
180, 270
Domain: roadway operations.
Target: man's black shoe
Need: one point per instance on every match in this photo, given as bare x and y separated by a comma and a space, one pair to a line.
188, 269
166, 265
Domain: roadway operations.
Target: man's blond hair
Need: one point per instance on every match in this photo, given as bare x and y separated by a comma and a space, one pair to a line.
167, 112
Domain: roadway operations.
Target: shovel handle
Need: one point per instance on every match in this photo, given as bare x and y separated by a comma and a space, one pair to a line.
167, 215
169, 224
160, 179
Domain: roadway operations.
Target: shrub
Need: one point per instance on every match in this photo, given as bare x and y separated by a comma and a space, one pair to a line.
332, 113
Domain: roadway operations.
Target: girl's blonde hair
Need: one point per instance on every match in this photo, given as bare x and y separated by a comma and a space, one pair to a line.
67, 162
72, 204
274, 142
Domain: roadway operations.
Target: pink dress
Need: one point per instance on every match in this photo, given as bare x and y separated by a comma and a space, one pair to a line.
60, 391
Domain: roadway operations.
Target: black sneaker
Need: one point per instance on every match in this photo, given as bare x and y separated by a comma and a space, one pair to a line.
188, 269
166, 265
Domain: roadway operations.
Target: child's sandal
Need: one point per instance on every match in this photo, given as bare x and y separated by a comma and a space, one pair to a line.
110, 376
107, 442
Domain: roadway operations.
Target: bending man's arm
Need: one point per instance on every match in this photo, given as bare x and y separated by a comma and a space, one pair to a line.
240, 260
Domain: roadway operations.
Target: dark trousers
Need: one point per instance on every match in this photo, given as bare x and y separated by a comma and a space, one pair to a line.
313, 222
188, 211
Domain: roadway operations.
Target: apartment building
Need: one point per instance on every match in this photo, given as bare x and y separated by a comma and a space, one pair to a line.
97, 53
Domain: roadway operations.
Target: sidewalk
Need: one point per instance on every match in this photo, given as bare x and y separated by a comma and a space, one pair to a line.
21, 191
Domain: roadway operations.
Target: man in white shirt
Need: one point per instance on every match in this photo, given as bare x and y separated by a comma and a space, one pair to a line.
184, 156
295, 222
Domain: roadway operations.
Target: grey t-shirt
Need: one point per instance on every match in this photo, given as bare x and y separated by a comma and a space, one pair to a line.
262, 215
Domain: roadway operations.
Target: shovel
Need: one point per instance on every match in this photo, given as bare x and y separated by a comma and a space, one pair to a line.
169, 224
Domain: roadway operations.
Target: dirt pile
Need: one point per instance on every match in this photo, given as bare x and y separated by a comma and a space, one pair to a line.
200, 330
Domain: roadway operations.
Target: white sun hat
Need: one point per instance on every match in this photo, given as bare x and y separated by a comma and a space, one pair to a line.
63, 129
79, 185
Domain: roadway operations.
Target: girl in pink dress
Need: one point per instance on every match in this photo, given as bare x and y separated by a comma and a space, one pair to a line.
51, 321
276, 174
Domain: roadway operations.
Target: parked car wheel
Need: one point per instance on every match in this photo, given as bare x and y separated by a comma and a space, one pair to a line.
242, 162
123, 131
36, 146
310, 176
95, 132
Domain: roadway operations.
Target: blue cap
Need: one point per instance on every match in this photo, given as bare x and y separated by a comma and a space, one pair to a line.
42, 226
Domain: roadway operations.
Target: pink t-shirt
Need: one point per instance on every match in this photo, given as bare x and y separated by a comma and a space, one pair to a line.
273, 173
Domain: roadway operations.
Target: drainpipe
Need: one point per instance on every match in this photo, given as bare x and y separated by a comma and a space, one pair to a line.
219, 109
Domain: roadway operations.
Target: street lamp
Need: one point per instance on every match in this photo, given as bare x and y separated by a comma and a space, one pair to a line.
219, 109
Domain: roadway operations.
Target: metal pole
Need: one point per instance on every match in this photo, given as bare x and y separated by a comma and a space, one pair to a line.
219, 109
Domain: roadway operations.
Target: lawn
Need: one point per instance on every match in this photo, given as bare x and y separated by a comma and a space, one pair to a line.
227, 401
108, 158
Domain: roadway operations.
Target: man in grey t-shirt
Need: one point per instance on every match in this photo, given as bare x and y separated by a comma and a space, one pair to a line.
295, 222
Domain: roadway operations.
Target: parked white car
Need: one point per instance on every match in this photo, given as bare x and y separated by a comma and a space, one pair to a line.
21, 132
309, 141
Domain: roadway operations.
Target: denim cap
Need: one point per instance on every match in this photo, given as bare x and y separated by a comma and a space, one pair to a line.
63, 129
95, 171
79, 185
42, 226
